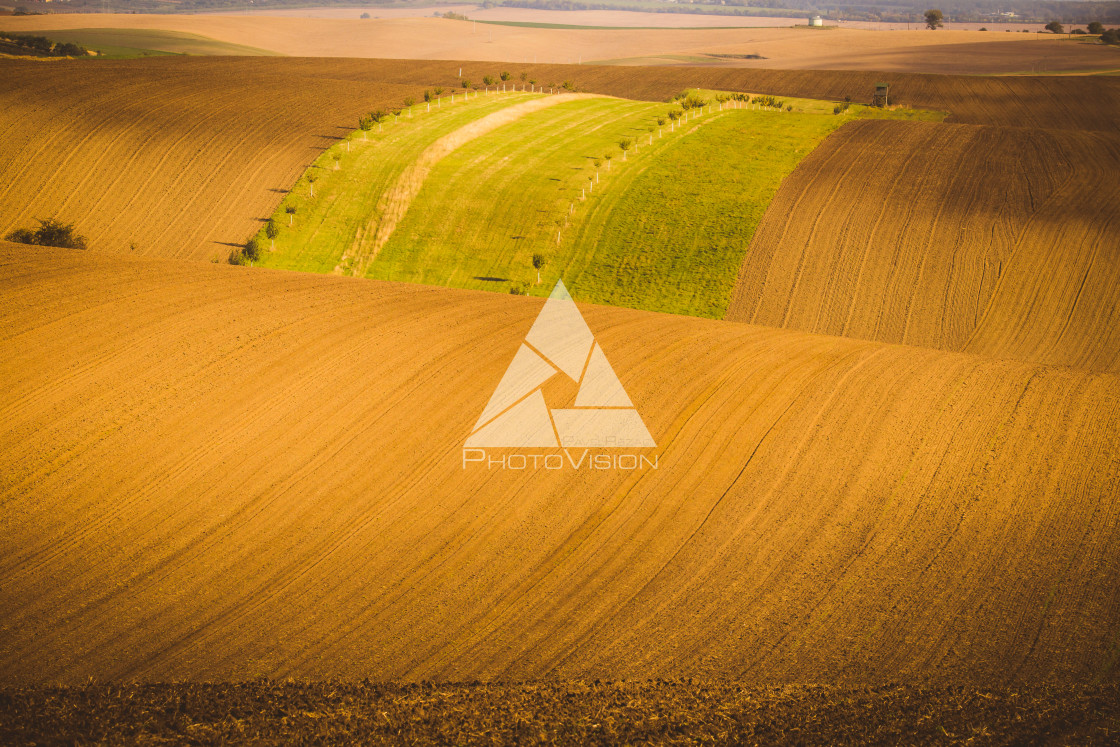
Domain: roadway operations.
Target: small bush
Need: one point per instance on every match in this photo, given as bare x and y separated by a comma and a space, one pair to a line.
252, 250
364, 15
70, 50
50, 232
22, 236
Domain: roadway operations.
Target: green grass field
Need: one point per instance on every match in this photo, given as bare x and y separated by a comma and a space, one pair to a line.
346, 199
488, 207
672, 233
665, 229
126, 43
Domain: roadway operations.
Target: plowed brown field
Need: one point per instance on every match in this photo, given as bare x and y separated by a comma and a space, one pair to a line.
218, 472
945, 51
180, 160
1000, 241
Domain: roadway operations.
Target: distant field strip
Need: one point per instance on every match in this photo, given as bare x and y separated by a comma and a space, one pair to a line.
127, 42
995, 241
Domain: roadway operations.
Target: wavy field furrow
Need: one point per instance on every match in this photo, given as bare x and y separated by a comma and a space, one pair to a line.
216, 472
991, 240
169, 159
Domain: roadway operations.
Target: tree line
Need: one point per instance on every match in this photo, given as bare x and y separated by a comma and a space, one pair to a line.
42, 46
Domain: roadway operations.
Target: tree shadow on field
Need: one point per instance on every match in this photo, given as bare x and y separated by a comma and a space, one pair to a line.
229, 243
490, 279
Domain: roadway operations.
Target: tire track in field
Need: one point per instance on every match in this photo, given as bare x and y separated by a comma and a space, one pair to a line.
393, 205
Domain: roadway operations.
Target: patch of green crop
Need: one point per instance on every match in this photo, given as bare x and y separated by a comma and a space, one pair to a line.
663, 227
345, 204
672, 235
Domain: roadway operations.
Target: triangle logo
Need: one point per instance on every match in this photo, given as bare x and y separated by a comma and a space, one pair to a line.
560, 344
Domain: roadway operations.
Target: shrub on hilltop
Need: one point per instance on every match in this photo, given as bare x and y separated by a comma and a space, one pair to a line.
51, 232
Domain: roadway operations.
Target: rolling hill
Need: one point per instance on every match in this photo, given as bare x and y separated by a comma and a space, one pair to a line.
1000, 241
210, 472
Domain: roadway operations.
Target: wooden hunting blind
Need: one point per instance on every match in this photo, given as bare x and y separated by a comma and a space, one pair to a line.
881, 98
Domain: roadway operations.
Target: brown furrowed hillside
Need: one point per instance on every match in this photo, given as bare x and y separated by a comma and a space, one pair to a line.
177, 157
219, 473
1000, 241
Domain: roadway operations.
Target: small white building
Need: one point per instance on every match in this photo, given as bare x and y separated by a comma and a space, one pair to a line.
816, 21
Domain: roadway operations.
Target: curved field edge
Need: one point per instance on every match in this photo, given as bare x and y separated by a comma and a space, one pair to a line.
992, 240
210, 472
558, 713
